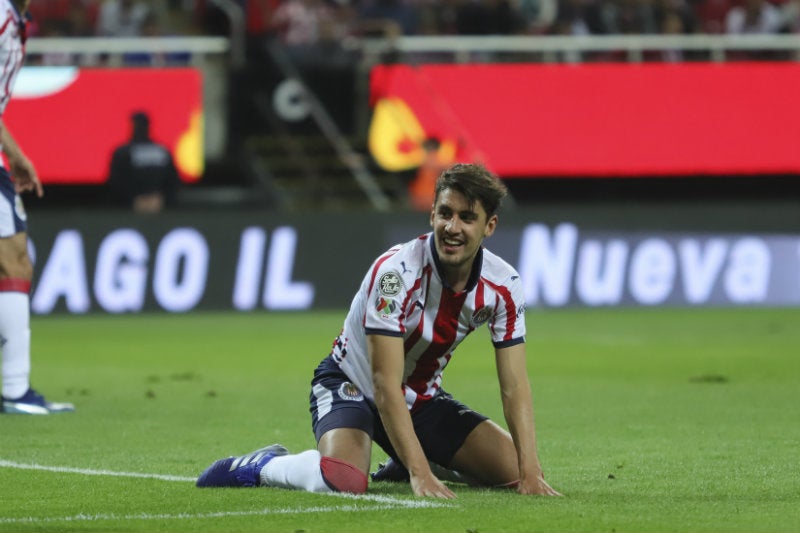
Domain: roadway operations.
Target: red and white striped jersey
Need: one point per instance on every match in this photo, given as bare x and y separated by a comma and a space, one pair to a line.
403, 295
12, 49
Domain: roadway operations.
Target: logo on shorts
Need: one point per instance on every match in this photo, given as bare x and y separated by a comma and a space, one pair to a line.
348, 391
481, 315
389, 284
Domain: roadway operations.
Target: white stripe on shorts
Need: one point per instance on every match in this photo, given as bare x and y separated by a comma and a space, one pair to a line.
7, 227
324, 400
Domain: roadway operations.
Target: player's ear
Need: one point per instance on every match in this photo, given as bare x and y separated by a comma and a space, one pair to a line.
491, 224
433, 214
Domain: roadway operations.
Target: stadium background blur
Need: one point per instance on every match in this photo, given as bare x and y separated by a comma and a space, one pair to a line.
290, 131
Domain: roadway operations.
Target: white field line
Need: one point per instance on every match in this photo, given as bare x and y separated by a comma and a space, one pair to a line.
384, 502
89, 472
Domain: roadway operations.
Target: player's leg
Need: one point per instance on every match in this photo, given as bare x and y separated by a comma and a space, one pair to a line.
331, 468
488, 455
15, 283
342, 422
16, 273
339, 464
463, 446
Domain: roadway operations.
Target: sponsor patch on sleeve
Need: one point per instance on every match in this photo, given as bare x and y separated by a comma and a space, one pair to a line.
389, 284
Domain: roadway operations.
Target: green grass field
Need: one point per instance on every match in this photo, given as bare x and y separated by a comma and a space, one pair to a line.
648, 421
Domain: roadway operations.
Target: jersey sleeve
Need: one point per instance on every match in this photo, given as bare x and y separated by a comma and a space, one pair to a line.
384, 298
507, 325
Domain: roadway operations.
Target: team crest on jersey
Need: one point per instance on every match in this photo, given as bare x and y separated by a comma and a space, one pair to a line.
481, 315
348, 391
20, 208
386, 306
390, 284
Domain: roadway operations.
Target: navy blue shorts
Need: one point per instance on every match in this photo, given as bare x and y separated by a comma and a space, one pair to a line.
441, 424
12, 212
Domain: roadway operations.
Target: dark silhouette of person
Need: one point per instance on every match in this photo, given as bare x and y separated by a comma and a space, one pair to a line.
142, 174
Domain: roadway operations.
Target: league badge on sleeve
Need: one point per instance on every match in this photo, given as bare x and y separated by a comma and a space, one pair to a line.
386, 307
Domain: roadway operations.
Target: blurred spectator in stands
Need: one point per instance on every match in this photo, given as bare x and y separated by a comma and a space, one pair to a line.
672, 23
487, 17
259, 15
387, 17
630, 17
790, 11
312, 32
142, 175
73, 18
299, 22
81, 18
121, 18
711, 15
152, 27
579, 17
539, 15
753, 16
674, 17
665, 10
442, 13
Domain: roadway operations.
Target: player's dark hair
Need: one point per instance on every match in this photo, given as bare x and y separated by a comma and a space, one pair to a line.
475, 183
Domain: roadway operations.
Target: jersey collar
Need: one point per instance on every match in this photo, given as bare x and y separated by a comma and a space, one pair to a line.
474, 274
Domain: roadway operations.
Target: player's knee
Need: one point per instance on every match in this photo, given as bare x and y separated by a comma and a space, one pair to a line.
341, 476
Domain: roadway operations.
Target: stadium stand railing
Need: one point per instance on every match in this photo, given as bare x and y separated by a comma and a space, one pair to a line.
462, 49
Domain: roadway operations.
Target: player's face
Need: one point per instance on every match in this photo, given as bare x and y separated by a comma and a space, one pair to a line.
459, 229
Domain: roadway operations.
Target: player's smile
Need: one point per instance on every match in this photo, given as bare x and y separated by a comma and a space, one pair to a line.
450, 245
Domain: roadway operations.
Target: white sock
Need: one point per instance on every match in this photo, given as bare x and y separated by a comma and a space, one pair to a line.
300, 471
15, 342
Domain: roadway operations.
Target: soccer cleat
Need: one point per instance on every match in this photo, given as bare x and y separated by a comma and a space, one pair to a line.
33, 403
391, 470
242, 471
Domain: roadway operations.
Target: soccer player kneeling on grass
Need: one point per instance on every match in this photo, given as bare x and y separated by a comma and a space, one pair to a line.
382, 380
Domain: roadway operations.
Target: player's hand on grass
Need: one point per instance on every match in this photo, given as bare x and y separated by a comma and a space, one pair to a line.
537, 486
429, 485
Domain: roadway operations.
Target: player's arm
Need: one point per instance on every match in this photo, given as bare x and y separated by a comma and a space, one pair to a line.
517, 400
386, 357
20, 167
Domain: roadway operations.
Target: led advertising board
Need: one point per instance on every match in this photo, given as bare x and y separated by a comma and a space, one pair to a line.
69, 120
592, 120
